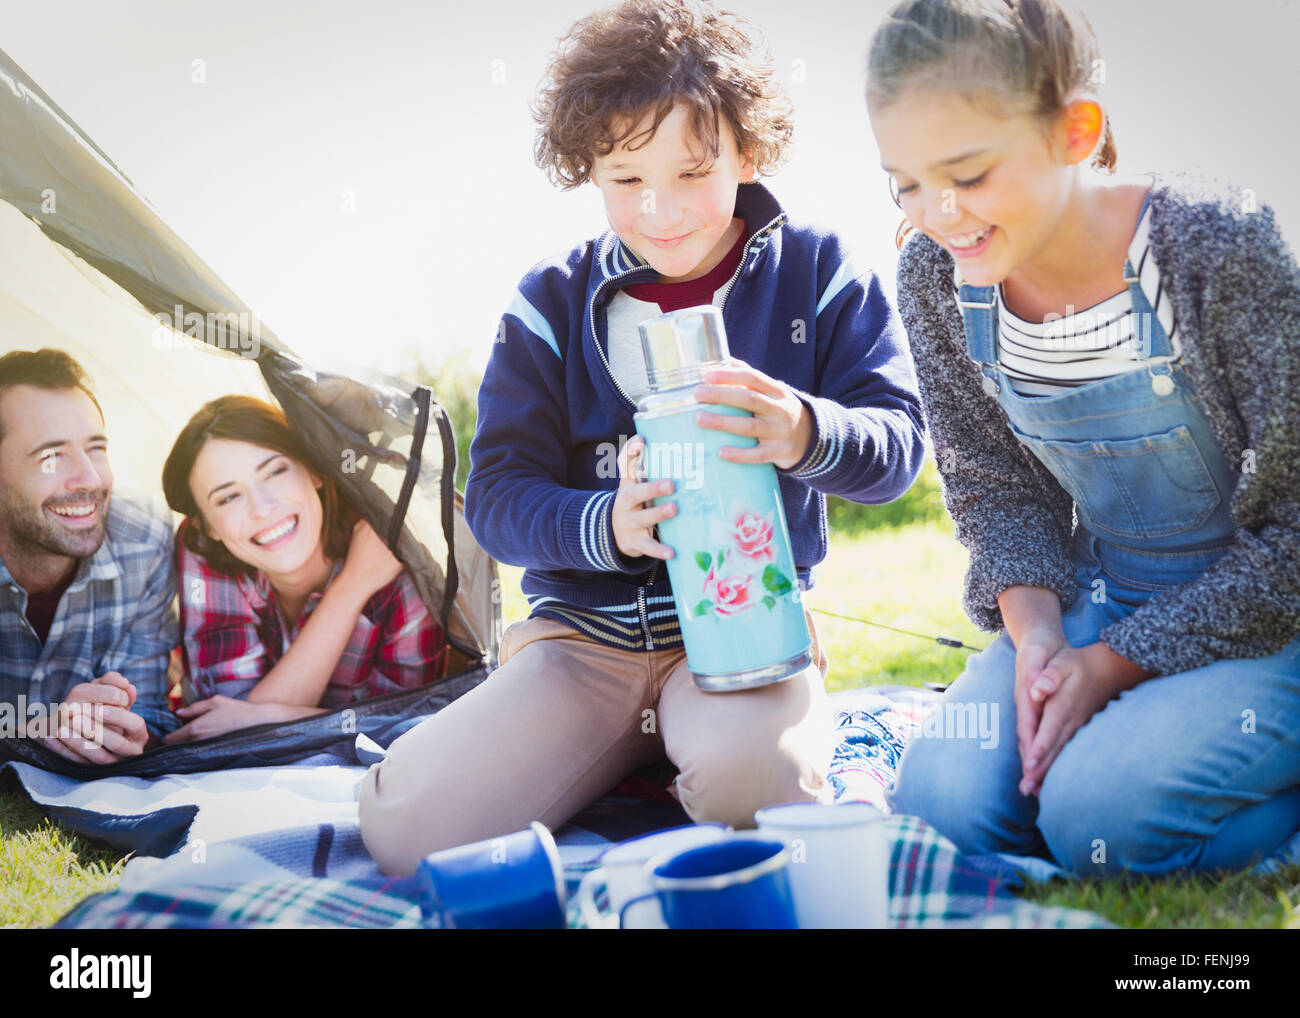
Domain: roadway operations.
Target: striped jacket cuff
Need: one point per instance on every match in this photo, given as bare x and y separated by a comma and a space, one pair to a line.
826, 449
588, 528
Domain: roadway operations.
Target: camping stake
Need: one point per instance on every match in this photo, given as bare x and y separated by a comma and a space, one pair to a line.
947, 641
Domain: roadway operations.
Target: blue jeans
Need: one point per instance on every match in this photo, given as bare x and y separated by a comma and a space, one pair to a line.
1198, 770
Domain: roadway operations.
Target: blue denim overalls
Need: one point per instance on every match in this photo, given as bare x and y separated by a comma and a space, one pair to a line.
1164, 777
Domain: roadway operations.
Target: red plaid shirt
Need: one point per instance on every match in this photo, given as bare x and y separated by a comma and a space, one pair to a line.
233, 634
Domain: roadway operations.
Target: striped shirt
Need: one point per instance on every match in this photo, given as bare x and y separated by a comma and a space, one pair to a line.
234, 633
117, 615
1044, 358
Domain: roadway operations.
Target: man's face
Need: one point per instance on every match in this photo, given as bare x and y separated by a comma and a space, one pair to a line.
667, 207
55, 481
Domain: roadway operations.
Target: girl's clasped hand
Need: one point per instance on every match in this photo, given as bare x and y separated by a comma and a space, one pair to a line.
1058, 690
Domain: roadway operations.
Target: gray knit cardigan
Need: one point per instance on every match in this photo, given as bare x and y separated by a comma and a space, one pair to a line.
1235, 289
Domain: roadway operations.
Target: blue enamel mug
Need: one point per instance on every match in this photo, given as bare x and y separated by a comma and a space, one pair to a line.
738, 883
512, 882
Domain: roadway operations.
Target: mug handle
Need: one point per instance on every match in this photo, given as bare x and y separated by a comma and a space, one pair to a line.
586, 896
622, 912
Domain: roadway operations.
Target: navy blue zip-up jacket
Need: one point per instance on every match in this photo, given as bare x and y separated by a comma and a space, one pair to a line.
551, 417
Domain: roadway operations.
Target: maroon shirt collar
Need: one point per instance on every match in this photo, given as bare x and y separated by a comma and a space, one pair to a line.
693, 292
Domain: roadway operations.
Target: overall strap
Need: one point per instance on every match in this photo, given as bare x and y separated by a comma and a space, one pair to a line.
1154, 345
979, 315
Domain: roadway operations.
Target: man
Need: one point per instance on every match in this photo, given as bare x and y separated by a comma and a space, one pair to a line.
86, 584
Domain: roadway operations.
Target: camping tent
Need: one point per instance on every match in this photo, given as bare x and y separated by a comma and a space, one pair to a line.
88, 266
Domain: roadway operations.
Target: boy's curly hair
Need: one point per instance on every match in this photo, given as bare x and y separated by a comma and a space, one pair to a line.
642, 57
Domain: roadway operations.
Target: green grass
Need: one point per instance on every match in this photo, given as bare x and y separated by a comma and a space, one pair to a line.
908, 577
1202, 901
44, 870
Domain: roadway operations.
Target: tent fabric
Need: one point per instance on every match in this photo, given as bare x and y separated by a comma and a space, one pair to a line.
88, 266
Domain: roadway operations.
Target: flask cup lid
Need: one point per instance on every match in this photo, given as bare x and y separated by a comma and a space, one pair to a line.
679, 346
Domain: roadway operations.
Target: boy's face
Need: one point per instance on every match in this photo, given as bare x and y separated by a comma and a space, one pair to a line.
664, 205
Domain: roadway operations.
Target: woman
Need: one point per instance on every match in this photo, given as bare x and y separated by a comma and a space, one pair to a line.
288, 606
1124, 477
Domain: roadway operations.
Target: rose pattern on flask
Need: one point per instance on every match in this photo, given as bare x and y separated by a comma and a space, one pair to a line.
733, 580
753, 537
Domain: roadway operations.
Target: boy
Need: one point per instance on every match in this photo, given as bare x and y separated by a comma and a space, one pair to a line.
594, 683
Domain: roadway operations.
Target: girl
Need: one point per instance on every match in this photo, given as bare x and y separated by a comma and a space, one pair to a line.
1147, 676
287, 607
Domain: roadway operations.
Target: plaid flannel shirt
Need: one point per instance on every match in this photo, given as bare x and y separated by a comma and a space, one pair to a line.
116, 616
234, 633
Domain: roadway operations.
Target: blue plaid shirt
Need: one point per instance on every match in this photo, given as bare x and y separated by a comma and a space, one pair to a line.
116, 616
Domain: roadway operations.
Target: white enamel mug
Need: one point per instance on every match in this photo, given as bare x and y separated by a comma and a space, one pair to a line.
623, 871
839, 862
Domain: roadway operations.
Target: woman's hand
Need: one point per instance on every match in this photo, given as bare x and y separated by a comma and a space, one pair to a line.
216, 715
782, 423
369, 566
219, 714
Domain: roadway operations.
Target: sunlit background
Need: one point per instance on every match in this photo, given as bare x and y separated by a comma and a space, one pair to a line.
362, 175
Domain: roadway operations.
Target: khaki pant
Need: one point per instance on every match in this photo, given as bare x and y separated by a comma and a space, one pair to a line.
564, 719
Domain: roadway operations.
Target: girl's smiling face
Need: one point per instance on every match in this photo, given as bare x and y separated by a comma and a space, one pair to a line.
261, 504
989, 190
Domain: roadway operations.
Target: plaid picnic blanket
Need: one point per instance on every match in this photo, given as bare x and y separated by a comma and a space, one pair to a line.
281, 846
930, 887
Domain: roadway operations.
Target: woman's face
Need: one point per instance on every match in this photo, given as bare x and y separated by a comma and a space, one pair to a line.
259, 503
988, 190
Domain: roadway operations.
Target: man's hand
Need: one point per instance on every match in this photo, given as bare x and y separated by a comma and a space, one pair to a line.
782, 423
95, 723
633, 517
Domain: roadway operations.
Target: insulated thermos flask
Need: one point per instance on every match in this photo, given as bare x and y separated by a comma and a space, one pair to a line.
732, 571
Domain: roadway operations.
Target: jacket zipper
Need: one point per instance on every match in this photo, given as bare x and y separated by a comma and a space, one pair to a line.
641, 606
591, 312
726, 292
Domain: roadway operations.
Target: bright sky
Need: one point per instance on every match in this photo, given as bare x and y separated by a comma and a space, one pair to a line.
417, 113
